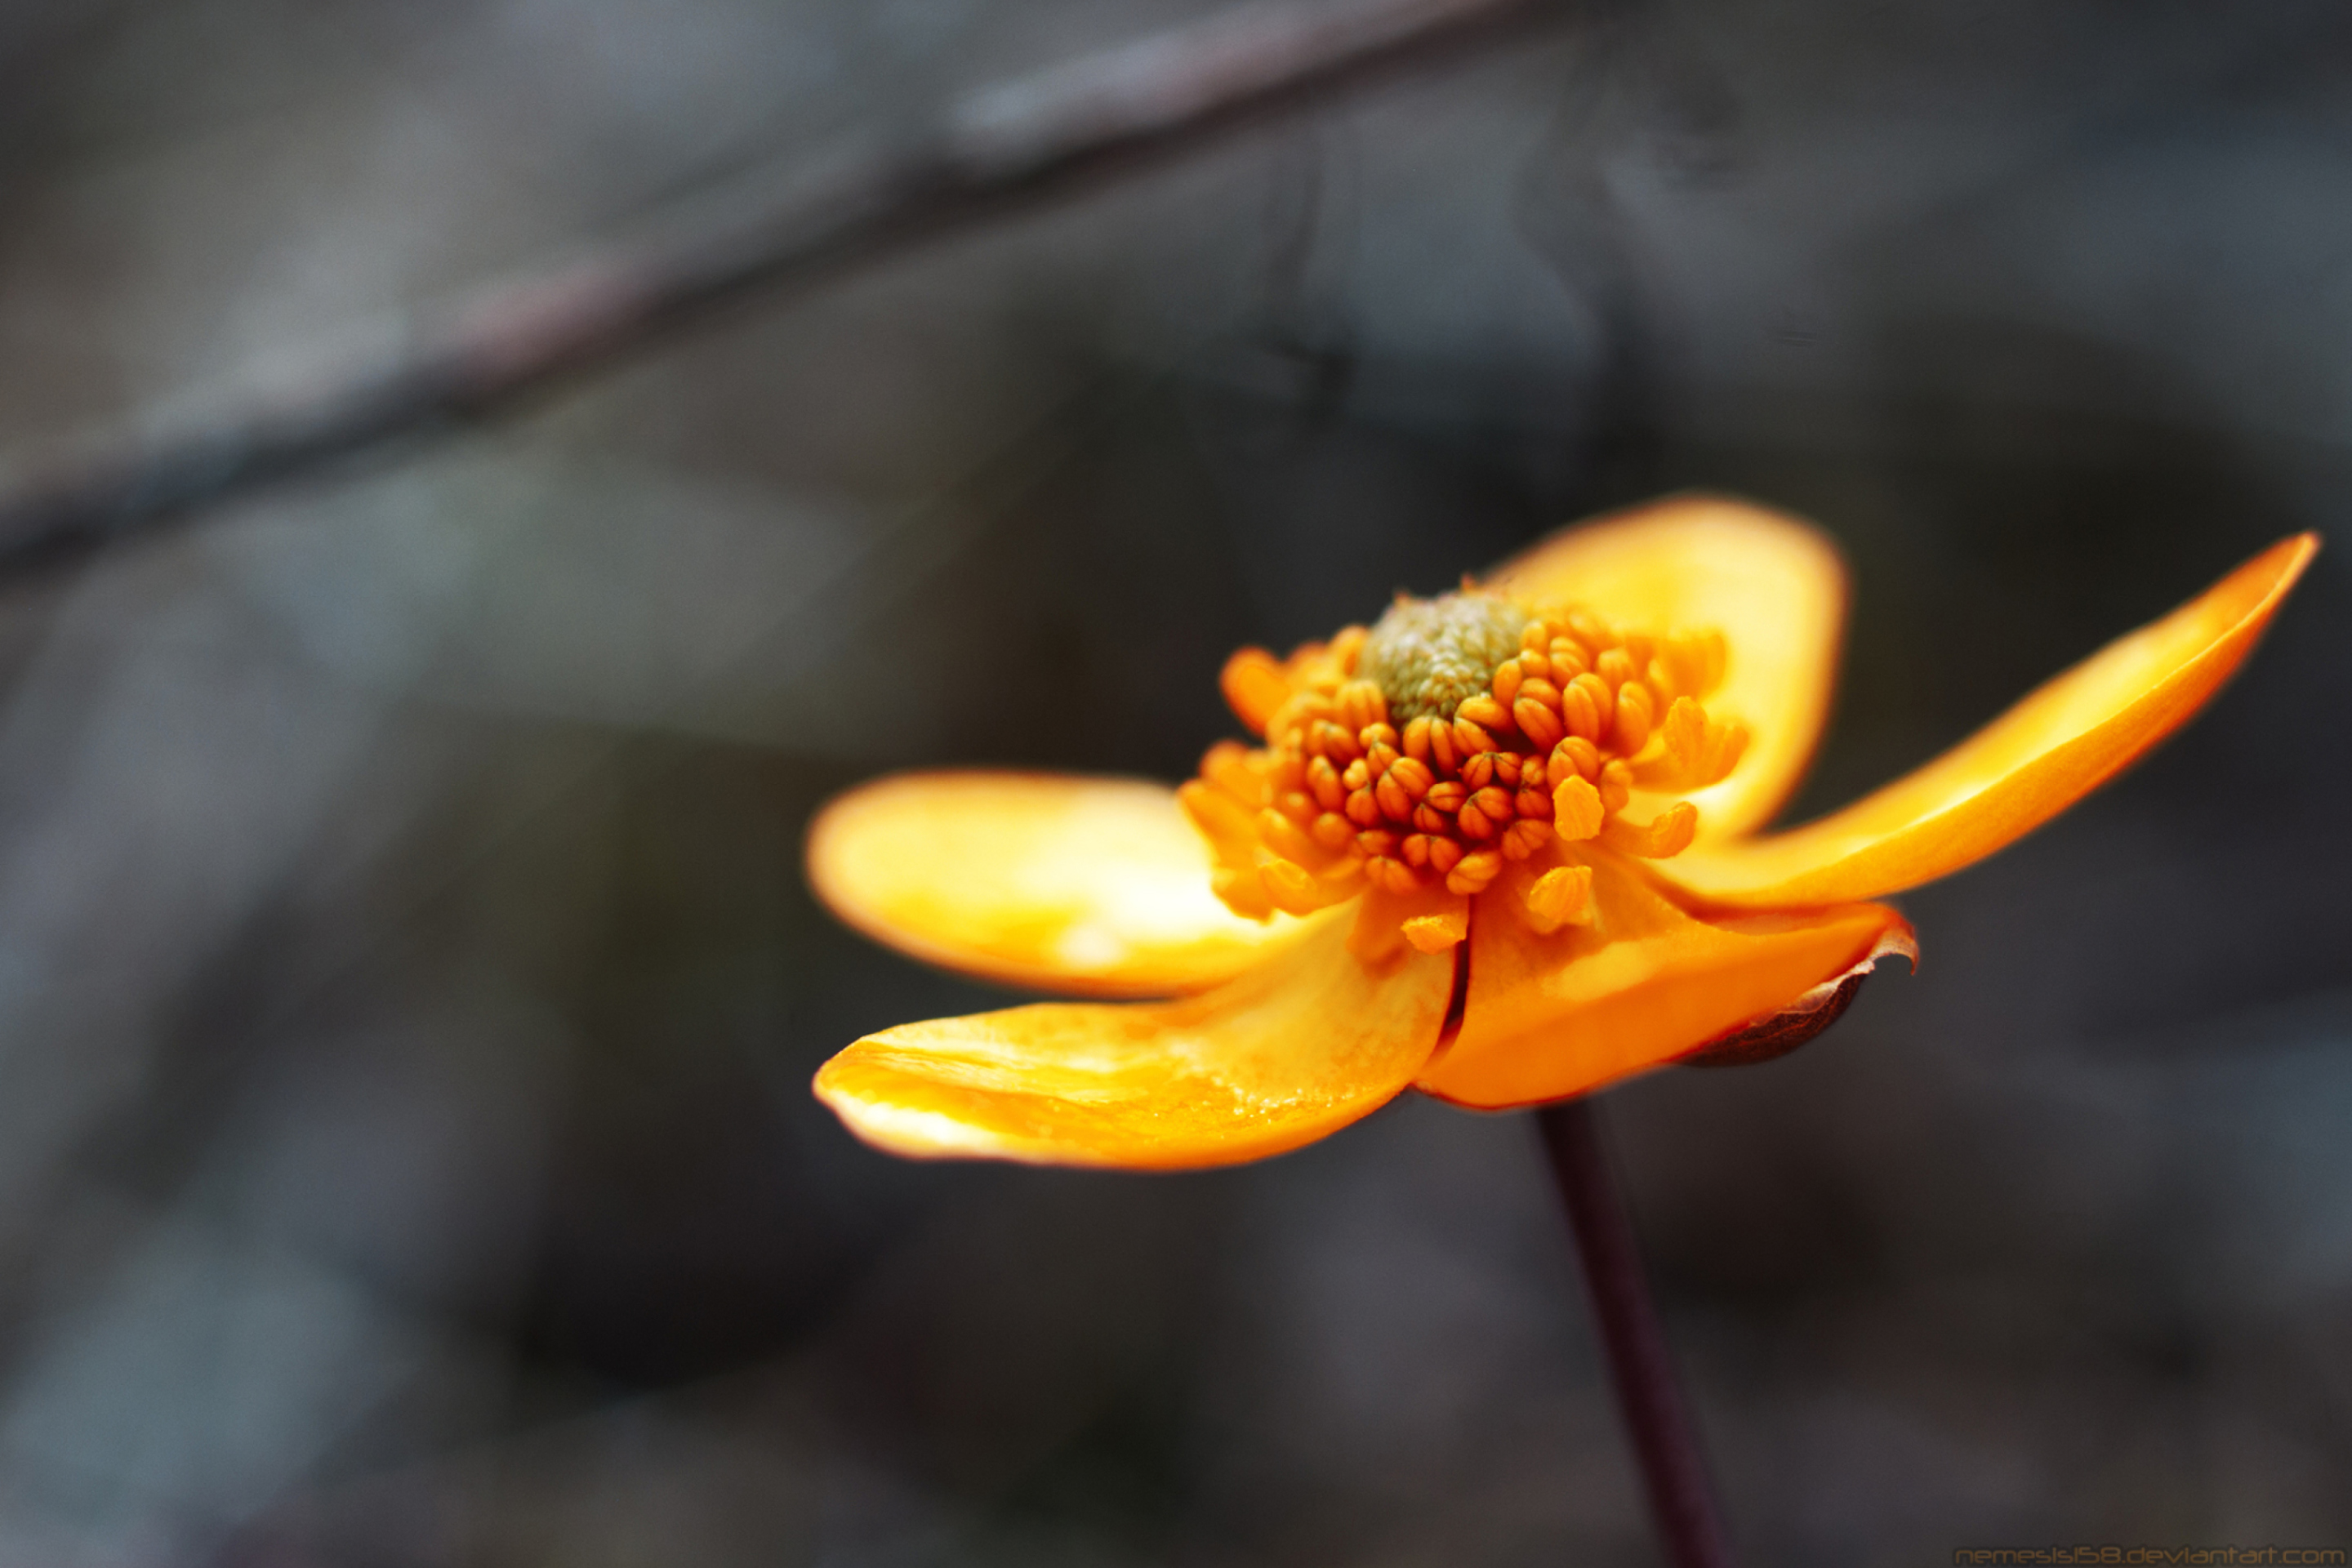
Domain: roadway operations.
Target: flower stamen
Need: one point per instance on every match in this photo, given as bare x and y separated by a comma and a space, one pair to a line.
1456, 736
1560, 897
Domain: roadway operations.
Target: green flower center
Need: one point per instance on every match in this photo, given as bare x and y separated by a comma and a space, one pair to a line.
1430, 655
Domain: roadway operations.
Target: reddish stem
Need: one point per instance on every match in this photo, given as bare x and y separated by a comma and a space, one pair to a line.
1673, 1471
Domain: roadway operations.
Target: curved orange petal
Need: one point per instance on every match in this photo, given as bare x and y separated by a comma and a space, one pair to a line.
1646, 981
2026, 766
1307, 1042
1093, 885
1774, 586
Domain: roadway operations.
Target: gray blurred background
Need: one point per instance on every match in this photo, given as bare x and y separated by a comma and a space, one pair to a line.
408, 993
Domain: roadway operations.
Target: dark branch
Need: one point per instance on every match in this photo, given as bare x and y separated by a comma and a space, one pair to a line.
997, 153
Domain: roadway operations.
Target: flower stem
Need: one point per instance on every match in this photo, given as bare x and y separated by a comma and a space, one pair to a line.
1682, 1499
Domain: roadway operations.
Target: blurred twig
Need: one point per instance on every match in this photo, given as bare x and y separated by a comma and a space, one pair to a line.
993, 153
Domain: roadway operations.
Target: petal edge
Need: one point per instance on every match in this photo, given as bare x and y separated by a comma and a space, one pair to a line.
2060, 743
1307, 1042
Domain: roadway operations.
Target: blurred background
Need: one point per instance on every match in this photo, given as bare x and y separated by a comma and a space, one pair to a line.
407, 989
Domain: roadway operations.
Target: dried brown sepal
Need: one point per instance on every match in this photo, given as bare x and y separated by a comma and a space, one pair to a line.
1777, 1034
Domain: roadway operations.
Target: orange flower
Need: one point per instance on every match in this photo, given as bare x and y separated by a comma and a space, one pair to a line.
1496, 846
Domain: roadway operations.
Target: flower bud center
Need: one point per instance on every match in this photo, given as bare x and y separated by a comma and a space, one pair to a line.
1429, 656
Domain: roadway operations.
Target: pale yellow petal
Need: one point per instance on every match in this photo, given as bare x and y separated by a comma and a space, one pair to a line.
1310, 1040
1774, 586
1642, 980
1092, 885
2057, 745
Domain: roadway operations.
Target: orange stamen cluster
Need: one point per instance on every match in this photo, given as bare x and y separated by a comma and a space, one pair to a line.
1551, 749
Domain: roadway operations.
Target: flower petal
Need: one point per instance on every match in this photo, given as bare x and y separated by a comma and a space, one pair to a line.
1548, 1017
1772, 585
1098, 886
2010, 777
1299, 1046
